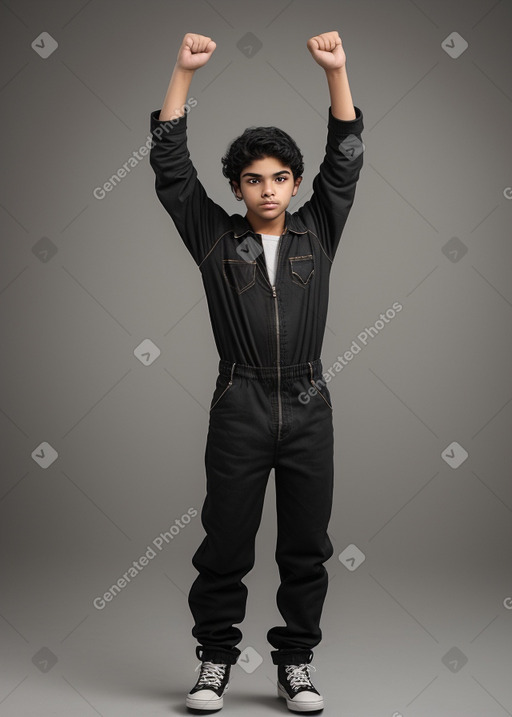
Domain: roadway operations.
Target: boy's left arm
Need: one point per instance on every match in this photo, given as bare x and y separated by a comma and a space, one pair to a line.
335, 185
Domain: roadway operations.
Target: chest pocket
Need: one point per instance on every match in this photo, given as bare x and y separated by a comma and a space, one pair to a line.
302, 269
239, 274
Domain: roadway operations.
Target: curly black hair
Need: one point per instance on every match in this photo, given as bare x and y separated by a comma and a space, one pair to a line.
257, 143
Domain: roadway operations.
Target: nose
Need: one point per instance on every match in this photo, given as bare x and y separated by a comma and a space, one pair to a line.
268, 191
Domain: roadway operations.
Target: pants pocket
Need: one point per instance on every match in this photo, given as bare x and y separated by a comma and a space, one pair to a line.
221, 388
322, 391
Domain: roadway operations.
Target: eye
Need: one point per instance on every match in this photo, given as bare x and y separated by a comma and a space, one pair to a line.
281, 177
252, 180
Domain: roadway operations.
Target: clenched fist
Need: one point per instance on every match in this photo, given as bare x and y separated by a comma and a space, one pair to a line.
195, 51
327, 50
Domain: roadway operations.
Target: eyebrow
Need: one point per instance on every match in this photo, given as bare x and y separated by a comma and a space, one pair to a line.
276, 174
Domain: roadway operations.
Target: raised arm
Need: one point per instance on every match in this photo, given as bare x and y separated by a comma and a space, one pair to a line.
197, 218
335, 184
195, 51
328, 51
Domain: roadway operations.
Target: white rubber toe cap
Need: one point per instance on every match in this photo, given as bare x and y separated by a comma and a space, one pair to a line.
303, 701
204, 700
305, 697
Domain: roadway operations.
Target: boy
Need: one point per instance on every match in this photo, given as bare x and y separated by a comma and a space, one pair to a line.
266, 279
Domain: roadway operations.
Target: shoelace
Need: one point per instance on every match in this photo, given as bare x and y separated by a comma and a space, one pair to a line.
211, 673
298, 675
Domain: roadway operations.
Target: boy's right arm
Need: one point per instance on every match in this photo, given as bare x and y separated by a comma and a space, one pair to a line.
195, 51
197, 218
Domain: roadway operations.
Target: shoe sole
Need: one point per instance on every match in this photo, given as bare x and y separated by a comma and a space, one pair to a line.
297, 706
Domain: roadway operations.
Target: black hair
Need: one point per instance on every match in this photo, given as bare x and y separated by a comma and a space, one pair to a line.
257, 143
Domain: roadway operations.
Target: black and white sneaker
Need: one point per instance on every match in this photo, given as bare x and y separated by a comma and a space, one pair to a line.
294, 684
207, 693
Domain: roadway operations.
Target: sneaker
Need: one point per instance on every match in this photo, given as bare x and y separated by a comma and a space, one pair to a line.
294, 684
210, 686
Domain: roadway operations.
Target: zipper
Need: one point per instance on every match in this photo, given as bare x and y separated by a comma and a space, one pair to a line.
274, 294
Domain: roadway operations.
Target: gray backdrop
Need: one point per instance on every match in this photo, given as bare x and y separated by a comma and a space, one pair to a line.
109, 364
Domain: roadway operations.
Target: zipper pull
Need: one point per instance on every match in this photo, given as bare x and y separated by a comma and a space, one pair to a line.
274, 291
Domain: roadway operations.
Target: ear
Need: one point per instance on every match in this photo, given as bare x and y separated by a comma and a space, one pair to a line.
296, 186
235, 187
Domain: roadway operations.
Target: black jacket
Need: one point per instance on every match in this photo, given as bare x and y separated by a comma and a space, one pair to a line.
254, 322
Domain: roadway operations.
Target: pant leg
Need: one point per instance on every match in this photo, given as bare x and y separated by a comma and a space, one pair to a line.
238, 460
304, 475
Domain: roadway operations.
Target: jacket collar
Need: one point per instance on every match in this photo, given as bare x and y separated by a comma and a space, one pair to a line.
292, 223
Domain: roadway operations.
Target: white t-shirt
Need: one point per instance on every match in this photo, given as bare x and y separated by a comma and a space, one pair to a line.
270, 244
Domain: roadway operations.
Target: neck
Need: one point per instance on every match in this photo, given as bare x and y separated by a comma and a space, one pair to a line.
272, 226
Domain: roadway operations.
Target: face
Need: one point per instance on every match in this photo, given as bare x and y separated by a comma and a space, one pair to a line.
266, 186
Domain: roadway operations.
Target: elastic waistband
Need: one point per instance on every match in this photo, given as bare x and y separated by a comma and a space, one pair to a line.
264, 373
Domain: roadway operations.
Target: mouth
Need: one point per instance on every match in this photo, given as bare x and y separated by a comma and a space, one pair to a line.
269, 205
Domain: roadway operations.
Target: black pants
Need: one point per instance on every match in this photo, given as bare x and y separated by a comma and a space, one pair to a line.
244, 442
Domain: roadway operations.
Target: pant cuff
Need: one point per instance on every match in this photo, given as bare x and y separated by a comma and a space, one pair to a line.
218, 655
290, 656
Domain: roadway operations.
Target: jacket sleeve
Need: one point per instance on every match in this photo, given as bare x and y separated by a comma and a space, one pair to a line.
198, 219
334, 186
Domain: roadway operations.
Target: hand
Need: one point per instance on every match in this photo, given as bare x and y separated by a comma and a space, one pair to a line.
195, 51
327, 50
